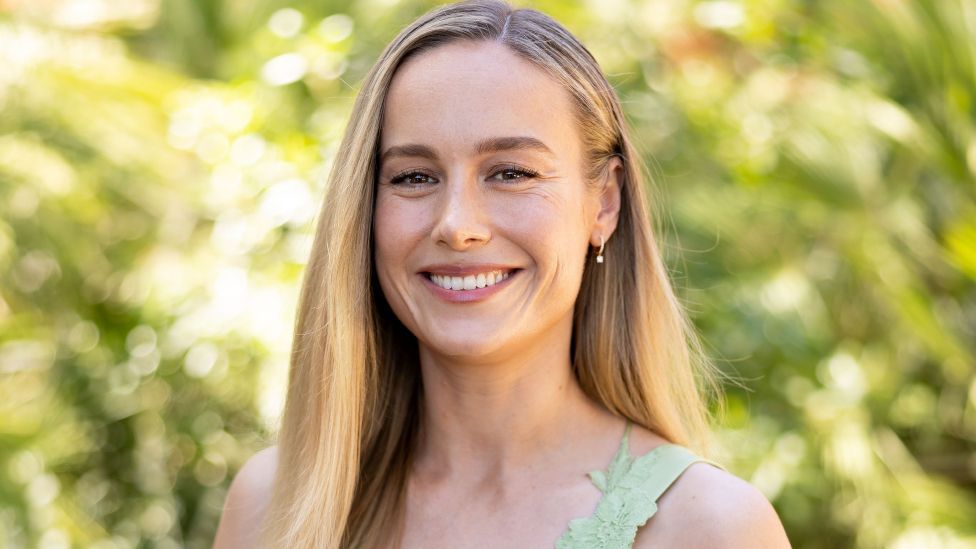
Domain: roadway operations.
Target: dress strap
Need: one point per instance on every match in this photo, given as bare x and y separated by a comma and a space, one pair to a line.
625, 440
665, 465
631, 487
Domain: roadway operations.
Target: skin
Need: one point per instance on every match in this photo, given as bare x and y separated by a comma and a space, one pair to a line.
508, 435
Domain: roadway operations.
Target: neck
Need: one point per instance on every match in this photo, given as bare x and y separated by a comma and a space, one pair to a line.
502, 417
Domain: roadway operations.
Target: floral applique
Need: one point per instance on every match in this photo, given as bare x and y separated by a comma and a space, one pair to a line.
627, 504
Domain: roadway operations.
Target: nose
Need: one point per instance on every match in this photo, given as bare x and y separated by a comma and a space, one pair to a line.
460, 223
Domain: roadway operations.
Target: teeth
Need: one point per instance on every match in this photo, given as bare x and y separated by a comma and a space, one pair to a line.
470, 282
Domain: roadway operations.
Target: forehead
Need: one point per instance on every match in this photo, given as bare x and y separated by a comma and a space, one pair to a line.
460, 93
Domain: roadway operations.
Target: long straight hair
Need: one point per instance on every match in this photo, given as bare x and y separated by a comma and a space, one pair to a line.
354, 397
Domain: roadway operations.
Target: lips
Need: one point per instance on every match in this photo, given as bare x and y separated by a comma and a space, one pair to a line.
472, 283
469, 282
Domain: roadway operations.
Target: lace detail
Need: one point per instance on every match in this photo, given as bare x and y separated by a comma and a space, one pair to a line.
630, 489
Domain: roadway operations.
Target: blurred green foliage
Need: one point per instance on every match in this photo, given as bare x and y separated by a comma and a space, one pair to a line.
161, 162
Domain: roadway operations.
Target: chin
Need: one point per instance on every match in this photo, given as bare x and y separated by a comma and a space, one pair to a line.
466, 347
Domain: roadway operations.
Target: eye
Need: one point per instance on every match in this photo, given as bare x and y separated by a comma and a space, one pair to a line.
515, 173
412, 178
415, 178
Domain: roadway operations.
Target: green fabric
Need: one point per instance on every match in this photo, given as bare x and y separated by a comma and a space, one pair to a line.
631, 487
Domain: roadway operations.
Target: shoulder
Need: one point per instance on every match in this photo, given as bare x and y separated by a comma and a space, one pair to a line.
247, 500
708, 507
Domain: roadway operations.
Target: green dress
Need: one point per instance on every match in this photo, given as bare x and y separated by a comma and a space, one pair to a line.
631, 487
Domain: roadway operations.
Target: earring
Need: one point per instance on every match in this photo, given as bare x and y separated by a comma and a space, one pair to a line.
599, 255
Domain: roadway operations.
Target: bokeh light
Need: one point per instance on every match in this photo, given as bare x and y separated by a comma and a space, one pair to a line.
162, 164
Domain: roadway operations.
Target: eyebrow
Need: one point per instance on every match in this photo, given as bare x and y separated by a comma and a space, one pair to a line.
485, 146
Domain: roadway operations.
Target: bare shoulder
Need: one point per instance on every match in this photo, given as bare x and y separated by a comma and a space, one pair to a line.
708, 507
247, 500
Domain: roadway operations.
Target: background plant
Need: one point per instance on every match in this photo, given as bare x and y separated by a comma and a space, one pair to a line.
161, 162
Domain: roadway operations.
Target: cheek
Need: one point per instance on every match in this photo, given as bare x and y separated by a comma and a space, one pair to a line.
394, 222
549, 227
395, 229
394, 236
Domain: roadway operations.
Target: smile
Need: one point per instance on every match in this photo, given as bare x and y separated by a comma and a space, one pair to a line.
469, 282
468, 287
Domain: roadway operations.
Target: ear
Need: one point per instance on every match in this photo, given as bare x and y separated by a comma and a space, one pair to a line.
606, 220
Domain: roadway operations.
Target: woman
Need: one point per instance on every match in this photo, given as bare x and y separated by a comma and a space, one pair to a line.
485, 319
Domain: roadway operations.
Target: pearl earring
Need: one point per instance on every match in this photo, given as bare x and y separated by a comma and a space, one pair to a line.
599, 255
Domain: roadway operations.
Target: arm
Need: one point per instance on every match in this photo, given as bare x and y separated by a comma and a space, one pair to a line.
247, 500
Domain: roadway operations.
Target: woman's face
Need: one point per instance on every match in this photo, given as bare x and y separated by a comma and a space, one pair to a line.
482, 219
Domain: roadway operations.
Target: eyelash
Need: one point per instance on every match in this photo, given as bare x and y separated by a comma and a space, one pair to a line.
524, 173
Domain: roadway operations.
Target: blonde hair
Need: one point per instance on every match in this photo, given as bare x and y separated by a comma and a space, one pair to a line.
354, 392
